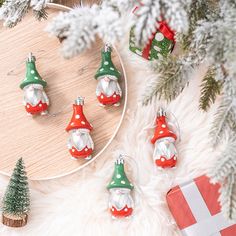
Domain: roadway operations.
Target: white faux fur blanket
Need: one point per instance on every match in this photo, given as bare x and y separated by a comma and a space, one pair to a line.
76, 205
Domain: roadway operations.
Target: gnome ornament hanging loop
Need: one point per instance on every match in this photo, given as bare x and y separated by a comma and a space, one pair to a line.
80, 143
165, 154
108, 90
35, 99
120, 201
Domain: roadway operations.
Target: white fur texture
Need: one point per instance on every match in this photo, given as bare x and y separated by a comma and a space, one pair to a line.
77, 205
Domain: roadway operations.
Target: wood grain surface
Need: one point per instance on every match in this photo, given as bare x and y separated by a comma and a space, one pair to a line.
41, 141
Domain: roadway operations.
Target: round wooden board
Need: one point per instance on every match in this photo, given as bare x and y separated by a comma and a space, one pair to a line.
41, 141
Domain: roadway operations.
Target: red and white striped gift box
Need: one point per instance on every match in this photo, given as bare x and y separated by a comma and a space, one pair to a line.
196, 209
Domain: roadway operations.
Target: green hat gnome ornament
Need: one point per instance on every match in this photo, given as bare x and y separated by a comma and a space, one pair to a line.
35, 99
120, 202
108, 90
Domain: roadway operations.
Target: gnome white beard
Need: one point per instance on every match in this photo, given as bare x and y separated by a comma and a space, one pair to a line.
80, 138
120, 198
34, 94
108, 86
164, 147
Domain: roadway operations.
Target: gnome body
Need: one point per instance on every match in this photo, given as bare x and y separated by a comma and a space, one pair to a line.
108, 90
120, 202
165, 154
35, 99
80, 143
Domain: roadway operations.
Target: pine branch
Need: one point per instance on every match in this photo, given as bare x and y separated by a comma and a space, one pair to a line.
1, 2
210, 88
225, 118
122, 5
228, 197
224, 172
198, 10
79, 27
13, 11
172, 77
147, 16
176, 14
220, 124
41, 14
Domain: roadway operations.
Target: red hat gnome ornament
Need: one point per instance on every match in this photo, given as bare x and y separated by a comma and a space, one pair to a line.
35, 99
80, 143
108, 90
120, 202
165, 154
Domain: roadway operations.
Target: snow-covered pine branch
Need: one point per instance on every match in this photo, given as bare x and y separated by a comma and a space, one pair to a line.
225, 117
210, 89
12, 11
146, 17
176, 14
1, 2
122, 5
76, 28
172, 77
224, 172
228, 196
79, 27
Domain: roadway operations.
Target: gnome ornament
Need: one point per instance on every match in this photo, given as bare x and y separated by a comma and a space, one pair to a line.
165, 154
80, 143
120, 202
35, 99
108, 90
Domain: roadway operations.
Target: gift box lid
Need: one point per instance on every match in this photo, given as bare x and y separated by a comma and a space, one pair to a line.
196, 210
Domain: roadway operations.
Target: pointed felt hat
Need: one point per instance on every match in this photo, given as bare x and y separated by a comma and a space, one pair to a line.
119, 178
162, 130
78, 120
107, 67
32, 75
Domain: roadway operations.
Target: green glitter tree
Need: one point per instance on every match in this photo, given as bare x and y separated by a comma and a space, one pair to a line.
16, 201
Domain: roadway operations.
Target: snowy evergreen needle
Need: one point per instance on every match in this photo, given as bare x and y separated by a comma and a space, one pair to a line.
210, 89
224, 172
13, 11
16, 200
1, 2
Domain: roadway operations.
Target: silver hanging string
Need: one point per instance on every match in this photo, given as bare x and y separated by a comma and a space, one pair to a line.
176, 125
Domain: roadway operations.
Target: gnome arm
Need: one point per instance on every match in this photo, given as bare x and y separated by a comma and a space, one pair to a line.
116, 87
91, 141
45, 98
98, 89
119, 89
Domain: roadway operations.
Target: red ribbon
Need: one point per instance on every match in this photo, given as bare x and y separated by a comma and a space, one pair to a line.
166, 31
